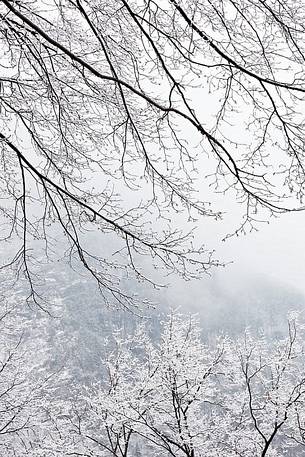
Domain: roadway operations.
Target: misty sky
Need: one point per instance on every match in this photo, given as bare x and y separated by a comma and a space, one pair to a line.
276, 251
272, 257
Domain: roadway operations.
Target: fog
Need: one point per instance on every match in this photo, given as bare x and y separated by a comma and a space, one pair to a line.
262, 280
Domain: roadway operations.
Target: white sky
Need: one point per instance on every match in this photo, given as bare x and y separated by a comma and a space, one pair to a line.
273, 256
277, 250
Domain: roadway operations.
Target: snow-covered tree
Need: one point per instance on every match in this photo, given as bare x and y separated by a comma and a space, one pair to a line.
266, 395
181, 397
24, 380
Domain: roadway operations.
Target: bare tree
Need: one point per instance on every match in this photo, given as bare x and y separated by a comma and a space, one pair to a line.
103, 126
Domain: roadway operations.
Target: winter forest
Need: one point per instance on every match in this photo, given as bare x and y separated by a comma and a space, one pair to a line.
152, 183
